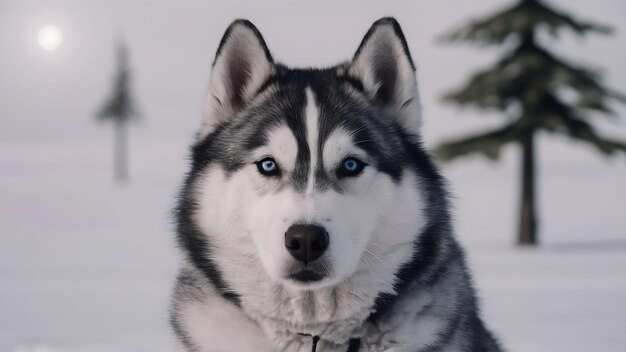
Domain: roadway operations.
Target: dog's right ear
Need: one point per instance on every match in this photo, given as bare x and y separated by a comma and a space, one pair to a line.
242, 64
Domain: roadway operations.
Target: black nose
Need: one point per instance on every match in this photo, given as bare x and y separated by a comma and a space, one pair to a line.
306, 242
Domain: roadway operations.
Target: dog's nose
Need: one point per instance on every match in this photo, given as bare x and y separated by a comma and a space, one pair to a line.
306, 242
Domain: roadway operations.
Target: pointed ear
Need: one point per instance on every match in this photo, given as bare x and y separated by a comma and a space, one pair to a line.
242, 64
384, 66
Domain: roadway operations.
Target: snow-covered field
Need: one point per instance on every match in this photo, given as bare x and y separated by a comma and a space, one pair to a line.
85, 265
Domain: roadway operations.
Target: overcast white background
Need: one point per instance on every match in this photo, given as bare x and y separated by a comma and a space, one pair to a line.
86, 265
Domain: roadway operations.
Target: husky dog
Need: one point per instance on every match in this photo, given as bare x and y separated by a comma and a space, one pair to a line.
312, 217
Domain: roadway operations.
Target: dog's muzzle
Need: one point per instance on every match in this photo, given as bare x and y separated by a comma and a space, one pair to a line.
307, 243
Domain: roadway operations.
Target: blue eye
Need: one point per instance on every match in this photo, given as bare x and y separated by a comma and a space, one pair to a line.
350, 167
268, 167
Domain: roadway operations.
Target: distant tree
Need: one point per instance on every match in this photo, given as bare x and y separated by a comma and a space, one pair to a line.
536, 91
120, 109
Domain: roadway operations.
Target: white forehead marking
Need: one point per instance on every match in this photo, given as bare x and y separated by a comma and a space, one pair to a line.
312, 117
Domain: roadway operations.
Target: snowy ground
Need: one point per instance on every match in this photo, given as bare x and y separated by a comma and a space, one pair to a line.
87, 266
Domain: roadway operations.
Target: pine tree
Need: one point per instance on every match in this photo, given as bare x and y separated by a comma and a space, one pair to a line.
534, 89
120, 109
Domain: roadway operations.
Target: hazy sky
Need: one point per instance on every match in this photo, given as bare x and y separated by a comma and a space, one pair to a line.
47, 95
49, 98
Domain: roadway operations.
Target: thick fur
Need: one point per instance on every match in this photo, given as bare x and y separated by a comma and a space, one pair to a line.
393, 277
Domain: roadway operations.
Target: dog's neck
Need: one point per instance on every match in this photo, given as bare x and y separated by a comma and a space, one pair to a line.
336, 314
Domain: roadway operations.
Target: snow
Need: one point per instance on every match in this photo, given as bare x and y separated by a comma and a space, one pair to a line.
87, 265
84, 264
540, 301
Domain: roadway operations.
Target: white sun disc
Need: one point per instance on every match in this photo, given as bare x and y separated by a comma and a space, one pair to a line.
50, 38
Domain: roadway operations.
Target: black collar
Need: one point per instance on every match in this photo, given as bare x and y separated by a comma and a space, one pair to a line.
353, 345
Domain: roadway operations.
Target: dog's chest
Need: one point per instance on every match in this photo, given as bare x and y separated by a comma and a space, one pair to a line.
263, 325
224, 327
290, 322
408, 323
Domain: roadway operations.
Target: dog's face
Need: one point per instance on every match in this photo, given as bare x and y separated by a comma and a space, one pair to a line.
308, 170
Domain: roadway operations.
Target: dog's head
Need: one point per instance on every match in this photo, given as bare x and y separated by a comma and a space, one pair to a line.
308, 172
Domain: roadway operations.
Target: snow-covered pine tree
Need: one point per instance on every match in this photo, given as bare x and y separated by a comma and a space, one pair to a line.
536, 91
120, 108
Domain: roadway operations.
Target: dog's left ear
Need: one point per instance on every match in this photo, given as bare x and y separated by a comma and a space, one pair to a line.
242, 64
384, 66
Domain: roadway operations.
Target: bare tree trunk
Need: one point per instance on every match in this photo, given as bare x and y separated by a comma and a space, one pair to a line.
121, 151
528, 220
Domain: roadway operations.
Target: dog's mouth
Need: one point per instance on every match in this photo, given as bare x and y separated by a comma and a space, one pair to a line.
306, 276
308, 273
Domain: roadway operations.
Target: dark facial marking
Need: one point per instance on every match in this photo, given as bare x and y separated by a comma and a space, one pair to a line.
340, 105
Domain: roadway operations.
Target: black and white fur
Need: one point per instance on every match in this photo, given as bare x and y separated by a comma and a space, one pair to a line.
393, 278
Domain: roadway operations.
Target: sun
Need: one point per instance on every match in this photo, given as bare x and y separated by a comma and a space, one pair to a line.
50, 38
